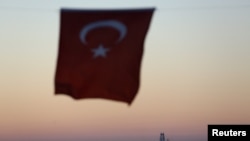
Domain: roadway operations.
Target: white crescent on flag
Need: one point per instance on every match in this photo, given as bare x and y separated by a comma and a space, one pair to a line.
107, 23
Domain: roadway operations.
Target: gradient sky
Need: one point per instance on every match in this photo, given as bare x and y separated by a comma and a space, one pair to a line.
195, 72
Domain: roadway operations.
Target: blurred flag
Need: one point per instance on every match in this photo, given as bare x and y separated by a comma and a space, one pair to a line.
100, 53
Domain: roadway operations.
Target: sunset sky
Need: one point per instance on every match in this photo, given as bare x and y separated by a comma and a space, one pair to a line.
195, 71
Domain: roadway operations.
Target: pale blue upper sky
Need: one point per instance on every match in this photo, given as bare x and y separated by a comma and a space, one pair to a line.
196, 71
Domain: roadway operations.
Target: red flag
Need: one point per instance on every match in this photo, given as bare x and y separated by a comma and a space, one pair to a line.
100, 53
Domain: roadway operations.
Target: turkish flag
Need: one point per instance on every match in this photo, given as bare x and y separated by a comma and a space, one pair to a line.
100, 53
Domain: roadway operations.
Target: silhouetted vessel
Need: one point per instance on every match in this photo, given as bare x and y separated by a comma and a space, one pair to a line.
162, 137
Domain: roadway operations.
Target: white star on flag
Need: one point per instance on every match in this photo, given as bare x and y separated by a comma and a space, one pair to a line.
100, 51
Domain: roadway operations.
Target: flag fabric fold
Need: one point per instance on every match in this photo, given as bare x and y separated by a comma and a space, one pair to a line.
100, 53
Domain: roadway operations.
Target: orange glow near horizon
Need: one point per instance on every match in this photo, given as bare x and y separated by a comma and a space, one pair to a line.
195, 72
